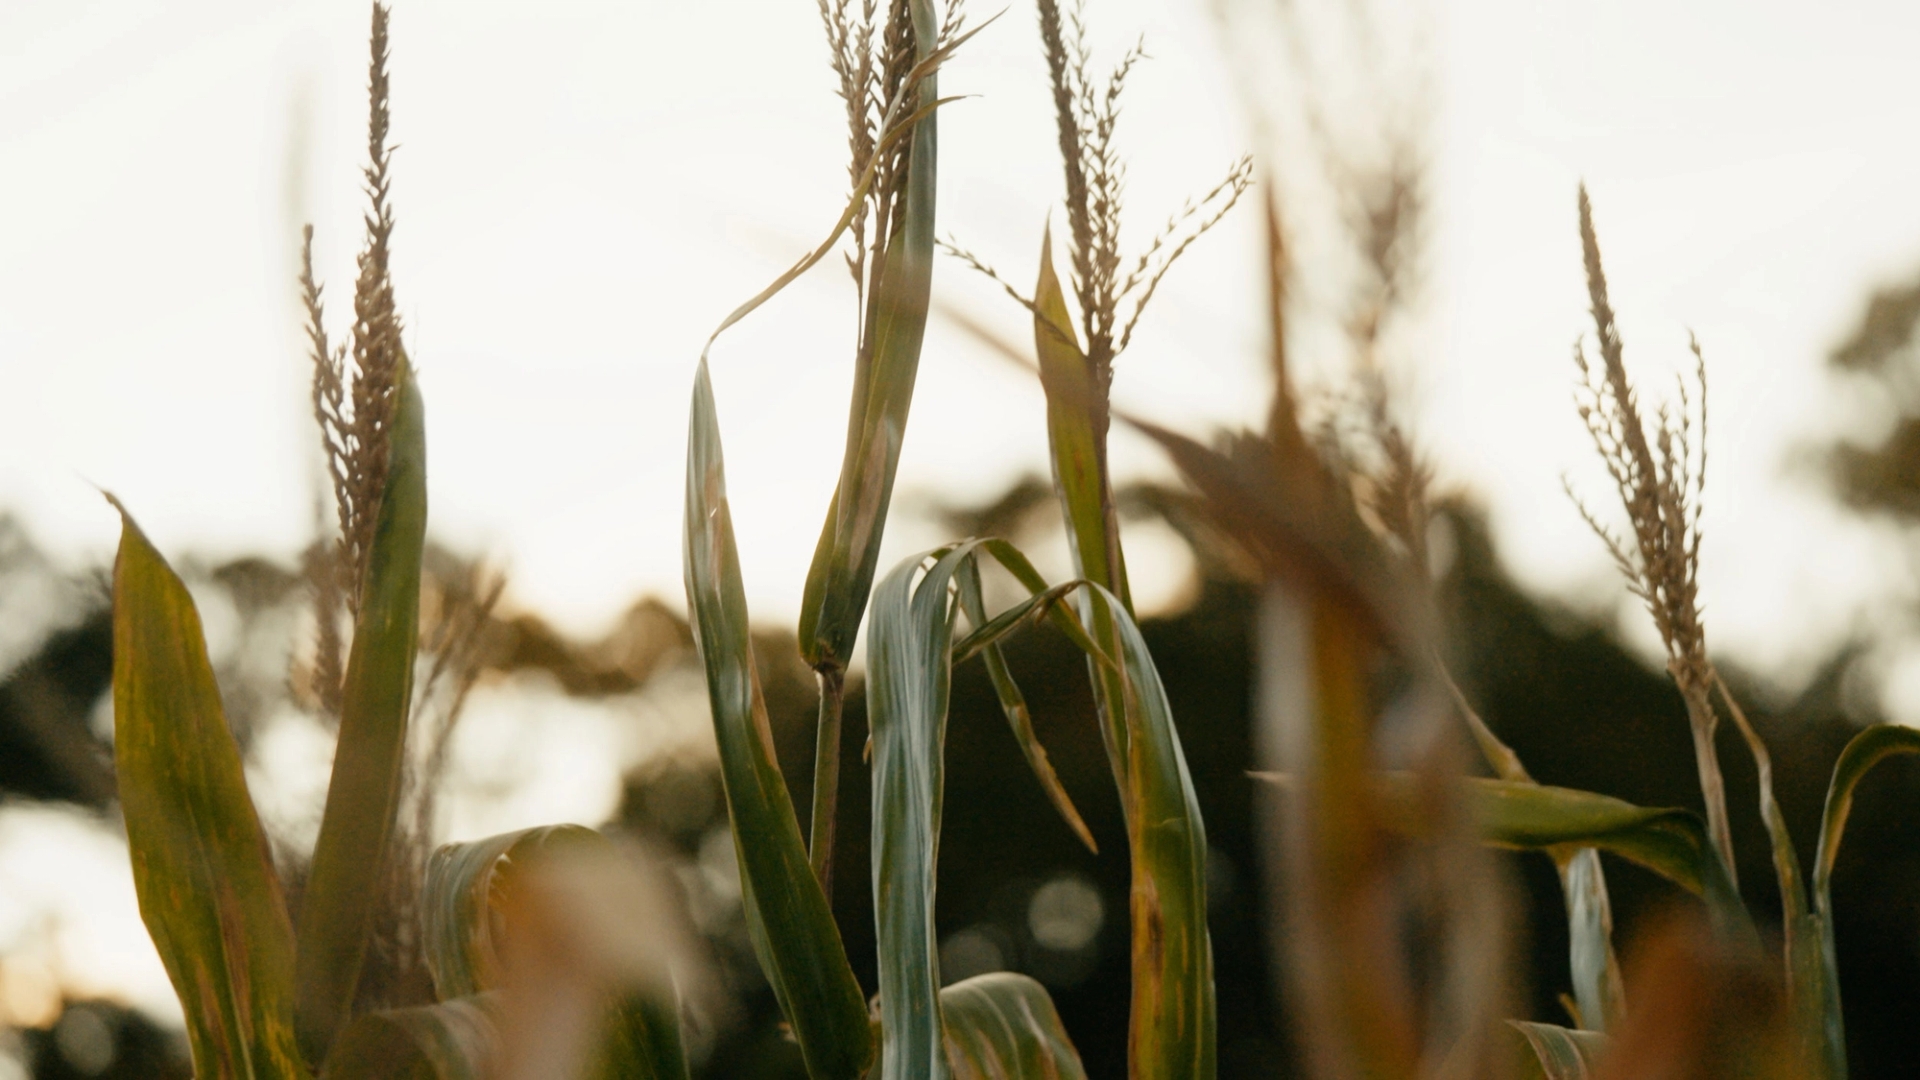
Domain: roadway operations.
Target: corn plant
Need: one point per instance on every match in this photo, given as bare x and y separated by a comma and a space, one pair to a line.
269, 995
925, 1029
553, 953
1345, 541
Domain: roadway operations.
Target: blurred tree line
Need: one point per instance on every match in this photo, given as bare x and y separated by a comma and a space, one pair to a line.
1017, 890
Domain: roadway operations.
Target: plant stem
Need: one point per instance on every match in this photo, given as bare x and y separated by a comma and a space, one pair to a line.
826, 777
1713, 789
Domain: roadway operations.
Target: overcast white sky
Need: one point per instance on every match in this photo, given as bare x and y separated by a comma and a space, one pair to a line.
584, 189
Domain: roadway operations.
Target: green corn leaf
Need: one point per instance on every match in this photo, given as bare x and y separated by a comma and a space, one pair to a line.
1012, 702
848, 552
363, 797
643, 1041
908, 671
1556, 1053
1867, 749
201, 869
909, 652
1598, 992
792, 927
1003, 1027
1536, 817
453, 1040
1671, 843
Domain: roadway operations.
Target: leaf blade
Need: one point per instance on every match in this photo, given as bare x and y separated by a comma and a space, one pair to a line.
1012, 702
1865, 750
848, 554
451, 1040
363, 795
1003, 1026
205, 883
909, 671
1558, 1053
793, 931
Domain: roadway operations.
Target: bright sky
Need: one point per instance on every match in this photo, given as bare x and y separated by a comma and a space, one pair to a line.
583, 191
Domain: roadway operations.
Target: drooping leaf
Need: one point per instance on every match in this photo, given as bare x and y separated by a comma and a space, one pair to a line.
1003, 1026
349, 858
201, 869
848, 553
1598, 991
1557, 1053
452, 1040
1672, 843
792, 927
1012, 702
1171, 1029
1867, 749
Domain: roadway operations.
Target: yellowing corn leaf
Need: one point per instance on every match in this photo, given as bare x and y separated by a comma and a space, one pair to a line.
1003, 1026
1076, 434
349, 858
201, 870
793, 930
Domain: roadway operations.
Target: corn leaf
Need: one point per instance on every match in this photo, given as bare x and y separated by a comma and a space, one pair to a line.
642, 1042
909, 654
1556, 1053
1172, 1016
1807, 990
364, 795
1012, 702
1597, 988
1598, 993
201, 870
464, 881
467, 886
1671, 843
1867, 749
848, 552
453, 1040
1003, 1026
1076, 434
792, 927
908, 672
1171, 1028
